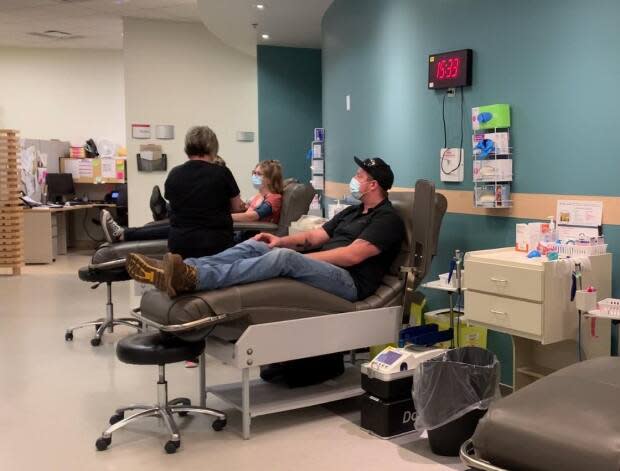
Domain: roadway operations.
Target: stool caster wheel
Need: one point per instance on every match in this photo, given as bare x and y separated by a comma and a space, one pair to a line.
116, 418
103, 443
95, 342
219, 424
171, 447
68, 336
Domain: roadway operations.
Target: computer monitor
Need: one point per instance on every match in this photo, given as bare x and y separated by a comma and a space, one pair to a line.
59, 185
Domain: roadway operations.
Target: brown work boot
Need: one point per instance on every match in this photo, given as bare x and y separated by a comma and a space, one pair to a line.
145, 269
178, 277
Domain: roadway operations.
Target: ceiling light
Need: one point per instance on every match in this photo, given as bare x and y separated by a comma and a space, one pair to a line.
264, 36
260, 6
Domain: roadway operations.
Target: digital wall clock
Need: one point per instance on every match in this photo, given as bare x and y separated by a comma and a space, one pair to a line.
450, 69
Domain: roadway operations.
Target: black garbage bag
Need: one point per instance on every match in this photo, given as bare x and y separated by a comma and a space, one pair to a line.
451, 385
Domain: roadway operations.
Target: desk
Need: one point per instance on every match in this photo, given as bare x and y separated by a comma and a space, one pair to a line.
529, 299
45, 231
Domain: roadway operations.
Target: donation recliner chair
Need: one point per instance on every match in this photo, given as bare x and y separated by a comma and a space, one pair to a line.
568, 421
282, 319
108, 263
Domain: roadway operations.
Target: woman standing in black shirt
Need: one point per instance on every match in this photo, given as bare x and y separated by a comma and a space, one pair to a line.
202, 195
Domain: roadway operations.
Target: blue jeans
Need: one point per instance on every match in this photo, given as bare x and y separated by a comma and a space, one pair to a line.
252, 261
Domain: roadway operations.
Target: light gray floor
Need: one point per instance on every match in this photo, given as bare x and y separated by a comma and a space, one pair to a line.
57, 396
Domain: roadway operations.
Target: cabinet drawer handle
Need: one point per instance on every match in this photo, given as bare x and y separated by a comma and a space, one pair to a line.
498, 313
499, 280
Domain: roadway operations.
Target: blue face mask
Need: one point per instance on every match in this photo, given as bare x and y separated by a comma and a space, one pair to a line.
257, 181
354, 186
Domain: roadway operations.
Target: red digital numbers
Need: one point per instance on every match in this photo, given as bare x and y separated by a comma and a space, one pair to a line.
447, 69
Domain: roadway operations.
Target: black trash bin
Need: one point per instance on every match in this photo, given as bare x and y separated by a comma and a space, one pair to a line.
451, 393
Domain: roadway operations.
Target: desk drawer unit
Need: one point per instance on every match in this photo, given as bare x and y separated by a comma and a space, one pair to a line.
516, 282
504, 313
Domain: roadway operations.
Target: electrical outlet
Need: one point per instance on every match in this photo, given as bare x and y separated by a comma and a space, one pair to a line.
451, 92
451, 165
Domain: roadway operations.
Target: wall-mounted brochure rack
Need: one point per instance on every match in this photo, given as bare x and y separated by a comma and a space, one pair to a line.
317, 168
493, 170
492, 156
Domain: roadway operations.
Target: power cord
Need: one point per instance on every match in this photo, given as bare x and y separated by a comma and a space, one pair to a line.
445, 136
85, 227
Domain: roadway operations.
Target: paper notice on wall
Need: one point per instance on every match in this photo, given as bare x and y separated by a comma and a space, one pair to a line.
120, 169
576, 233
71, 166
108, 168
317, 151
41, 175
318, 167
85, 168
147, 154
317, 183
29, 159
579, 213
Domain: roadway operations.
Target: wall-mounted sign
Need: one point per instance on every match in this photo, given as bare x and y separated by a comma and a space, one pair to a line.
164, 131
245, 136
141, 131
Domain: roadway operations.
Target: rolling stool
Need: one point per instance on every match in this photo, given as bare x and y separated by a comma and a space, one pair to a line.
160, 349
107, 276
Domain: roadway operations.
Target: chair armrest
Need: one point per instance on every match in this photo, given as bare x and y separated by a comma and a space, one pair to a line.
255, 226
119, 263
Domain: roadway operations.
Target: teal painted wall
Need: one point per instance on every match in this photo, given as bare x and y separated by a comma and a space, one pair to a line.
289, 105
554, 61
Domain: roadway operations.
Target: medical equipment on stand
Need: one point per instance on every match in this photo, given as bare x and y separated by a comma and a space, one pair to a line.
577, 285
455, 268
387, 407
452, 282
394, 360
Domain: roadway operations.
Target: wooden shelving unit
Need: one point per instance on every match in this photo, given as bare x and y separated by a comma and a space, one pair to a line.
11, 212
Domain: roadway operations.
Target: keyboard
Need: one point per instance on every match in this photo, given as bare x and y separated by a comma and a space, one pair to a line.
78, 203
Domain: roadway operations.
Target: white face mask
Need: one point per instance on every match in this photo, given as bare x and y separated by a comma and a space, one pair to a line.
354, 186
257, 181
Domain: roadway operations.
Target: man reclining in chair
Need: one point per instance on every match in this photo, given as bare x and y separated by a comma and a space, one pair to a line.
356, 249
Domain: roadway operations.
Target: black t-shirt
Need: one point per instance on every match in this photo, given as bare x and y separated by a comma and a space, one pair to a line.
380, 226
199, 193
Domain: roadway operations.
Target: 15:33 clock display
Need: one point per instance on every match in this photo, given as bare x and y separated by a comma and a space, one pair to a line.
450, 69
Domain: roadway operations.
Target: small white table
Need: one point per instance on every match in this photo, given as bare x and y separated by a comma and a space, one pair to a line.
441, 286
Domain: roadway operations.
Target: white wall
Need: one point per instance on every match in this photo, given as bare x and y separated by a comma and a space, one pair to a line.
67, 94
180, 74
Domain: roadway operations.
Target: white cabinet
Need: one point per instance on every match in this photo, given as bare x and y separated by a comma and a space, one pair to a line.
530, 300
508, 314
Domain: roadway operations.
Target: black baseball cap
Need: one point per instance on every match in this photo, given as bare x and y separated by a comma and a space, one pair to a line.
377, 169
